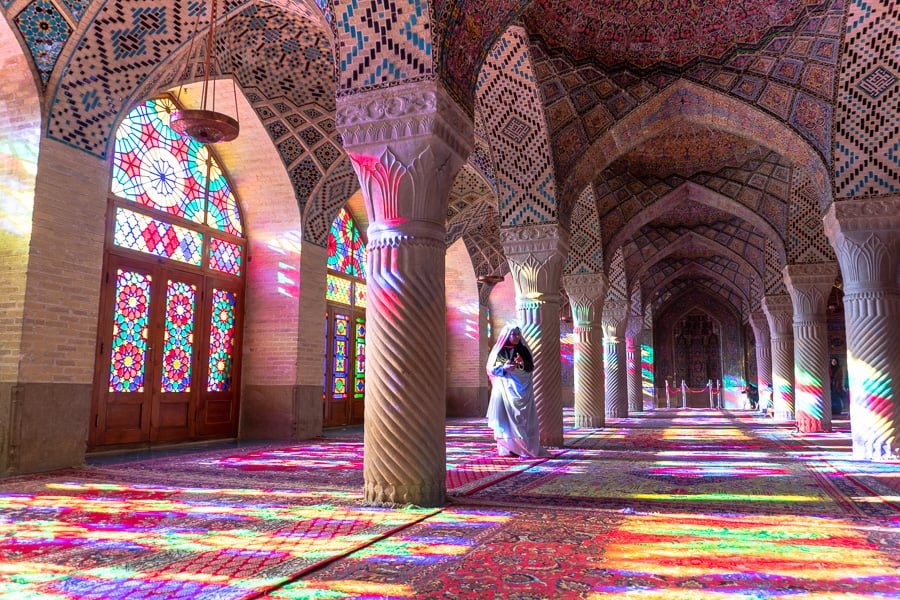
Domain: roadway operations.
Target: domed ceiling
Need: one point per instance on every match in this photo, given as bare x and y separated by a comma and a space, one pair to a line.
645, 34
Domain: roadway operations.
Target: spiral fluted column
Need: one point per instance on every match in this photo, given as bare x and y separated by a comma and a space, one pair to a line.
586, 293
407, 144
615, 318
780, 314
633, 330
809, 286
760, 326
535, 255
866, 235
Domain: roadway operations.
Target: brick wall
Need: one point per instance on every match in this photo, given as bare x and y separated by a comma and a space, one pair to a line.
464, 328
20, 123
63, 289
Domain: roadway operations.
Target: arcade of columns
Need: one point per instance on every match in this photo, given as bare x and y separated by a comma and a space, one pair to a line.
408, 144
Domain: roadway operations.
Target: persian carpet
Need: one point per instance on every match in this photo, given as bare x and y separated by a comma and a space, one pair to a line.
65, 536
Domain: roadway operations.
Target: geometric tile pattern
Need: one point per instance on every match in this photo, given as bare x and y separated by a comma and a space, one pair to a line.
798, 58
774, 275
135, 46
618, 284
761, 183
45, 32
688, 292
77, 8
468, 187
806, 241
383, 41
338, 186
509, 102
586, 247
867, 159
482, 239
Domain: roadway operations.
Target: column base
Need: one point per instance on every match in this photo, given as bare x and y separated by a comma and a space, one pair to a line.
809, 424
394, 495
589, 422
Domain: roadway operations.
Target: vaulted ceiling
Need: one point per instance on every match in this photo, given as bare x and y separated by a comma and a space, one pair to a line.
696, 141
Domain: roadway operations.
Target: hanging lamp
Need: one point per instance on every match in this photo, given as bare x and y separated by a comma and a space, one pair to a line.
204, 124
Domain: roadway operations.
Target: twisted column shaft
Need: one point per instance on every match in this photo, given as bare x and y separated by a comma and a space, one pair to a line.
809, 286
634, 376
615, 315
407, 144
763, 351
586, 293
779, 313
535, 255
866, 235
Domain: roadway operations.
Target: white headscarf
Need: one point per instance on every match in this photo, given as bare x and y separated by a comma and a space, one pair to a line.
498, 345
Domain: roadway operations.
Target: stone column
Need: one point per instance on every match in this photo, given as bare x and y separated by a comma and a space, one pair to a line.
780, 313
633, 330
586, 293
407, 144
810, 286
866, 235
615, 318
763, 351
648, 389
535, 254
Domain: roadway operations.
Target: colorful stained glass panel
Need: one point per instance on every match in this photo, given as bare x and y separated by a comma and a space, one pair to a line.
221, 340
152, 236
338, 289
359, 387
156, 167
359, 294
178, 338
346, 251
225, 256
128, 353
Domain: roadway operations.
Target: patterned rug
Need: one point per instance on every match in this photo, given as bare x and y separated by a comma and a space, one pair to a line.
62, 536
327, 463
534, 554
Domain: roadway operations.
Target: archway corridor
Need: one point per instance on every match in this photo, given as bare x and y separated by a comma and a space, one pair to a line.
680, 503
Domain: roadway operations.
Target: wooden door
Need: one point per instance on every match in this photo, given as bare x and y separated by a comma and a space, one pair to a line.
167, 362
344, 383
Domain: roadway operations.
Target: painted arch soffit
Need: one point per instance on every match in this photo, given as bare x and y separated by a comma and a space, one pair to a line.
723, 271
678, 289
692, 247
685, 103
757, 229
130, 49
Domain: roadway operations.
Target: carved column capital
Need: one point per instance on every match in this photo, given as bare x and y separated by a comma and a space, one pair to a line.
866, 236
615, 318
780, 314
535, 254
586, 292
760, 325
809, 286
389, 115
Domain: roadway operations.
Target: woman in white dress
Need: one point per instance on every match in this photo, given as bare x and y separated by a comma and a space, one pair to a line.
512, 413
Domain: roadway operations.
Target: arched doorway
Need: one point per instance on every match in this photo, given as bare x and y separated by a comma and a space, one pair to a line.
168, 345
345, 325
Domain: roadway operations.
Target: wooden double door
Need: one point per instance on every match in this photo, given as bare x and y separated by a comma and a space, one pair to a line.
168, 353
345, 365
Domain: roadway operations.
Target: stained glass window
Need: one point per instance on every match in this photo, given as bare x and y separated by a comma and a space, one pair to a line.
225, 256
346, 251
337, 289
146, 234
359, 388
156, 167
178, 338
221, 340
359, 294
130, 324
